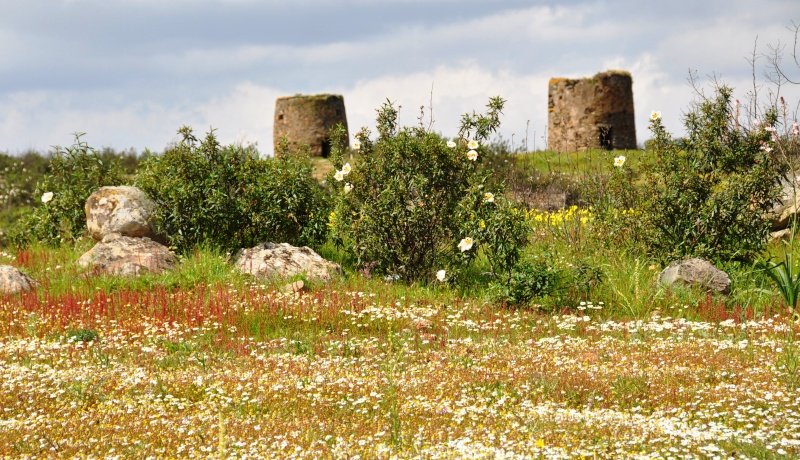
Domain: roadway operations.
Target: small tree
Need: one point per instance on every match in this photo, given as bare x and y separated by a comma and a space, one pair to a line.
711, 192
414, 204
229, 198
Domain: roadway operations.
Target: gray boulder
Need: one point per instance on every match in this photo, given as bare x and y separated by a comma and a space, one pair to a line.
124, 255
13, 281
696, 272
285, 260
123, 210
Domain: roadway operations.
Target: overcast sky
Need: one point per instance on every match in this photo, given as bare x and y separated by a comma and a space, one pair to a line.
129, 73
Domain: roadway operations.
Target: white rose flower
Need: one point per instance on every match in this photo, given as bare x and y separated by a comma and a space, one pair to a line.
47, 197
472, 155
440, 275
347, 187
465, 244
339, 176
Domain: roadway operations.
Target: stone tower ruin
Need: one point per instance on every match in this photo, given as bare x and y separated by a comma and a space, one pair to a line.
307, 120
591, 113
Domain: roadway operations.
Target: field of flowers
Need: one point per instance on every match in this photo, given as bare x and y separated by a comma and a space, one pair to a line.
242, 371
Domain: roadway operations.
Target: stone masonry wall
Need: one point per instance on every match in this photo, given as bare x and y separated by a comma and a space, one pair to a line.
307, 120
591, 113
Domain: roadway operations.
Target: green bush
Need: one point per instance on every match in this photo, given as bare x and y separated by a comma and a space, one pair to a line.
532, 279
711, 193
413, 198
229, 198
75, 173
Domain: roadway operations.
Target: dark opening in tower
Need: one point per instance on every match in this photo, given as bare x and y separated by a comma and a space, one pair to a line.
605, 137
326, 148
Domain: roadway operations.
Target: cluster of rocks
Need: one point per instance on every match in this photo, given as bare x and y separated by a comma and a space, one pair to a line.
120, 220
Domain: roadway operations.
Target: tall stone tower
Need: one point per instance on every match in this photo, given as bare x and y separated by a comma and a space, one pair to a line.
307, 120
591, 113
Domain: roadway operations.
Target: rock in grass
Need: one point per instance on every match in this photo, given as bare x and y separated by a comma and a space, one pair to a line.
696, 272
13, 281
123, 210
293, 288
284, 260
124, 255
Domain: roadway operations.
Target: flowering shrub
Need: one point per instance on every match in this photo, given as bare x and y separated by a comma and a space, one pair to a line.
711, 193
75, 173
229, 198
414, 204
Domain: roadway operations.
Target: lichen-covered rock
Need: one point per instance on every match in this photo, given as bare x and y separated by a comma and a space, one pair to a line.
285, 260
123, 210
13, 281
125, 255
696, 272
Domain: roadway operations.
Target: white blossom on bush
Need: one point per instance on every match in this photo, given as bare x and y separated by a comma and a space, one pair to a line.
465, 244
47, 197
472, 155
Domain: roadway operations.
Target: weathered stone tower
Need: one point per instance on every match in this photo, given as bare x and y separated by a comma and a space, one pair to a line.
307, 120
591, 113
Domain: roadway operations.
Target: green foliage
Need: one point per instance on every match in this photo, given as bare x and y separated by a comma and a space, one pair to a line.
711, 193
499, 226
228, 198
18, 179
404, 208
531, 279
75, 173
785, 276
83, 335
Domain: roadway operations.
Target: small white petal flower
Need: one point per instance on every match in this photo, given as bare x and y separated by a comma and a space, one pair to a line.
346, 169
47, 197
451, 144
619, 161
472, 155
465, 244
440, 275
357, 144
347, 187
339, 176
656, 115
473, 144
488, 197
